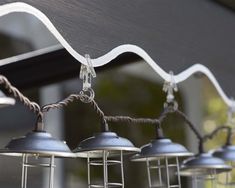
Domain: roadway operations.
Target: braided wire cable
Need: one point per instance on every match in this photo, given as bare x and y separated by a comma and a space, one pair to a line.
33, 106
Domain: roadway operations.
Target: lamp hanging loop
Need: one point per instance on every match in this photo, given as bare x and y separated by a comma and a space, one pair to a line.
87, 72
170, 87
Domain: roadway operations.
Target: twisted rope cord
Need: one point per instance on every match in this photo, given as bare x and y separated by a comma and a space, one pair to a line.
33, 106
127, 119
214, 132
97, 109
157, 121
104, 118
194, 129
190, 124
72, 98
39, 111
60, 104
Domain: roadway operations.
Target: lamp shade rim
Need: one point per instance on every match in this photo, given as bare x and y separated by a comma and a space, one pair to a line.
6, 101
138, 157
204, 170
160, 148
97, 152
203, 163
37, 143
227, 153
110, 141
37, 153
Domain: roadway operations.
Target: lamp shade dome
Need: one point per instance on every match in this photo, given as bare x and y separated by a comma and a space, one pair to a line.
37, 143
226, 153
161, 148
203, 164
104, 141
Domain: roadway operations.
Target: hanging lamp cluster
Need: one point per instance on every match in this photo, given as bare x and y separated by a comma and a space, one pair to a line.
106, 149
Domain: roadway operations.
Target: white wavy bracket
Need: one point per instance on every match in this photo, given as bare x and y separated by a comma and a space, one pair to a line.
105, 59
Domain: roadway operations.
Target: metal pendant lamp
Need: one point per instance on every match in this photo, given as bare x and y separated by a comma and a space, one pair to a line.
37, 144
105, 149
162, 156
227, 153
203, 167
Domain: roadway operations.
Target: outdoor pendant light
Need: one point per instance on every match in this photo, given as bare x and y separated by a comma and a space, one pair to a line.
227, 153
105, 149
37, 144
203, 167
162, 156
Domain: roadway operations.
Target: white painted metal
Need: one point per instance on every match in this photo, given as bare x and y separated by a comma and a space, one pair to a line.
105, 59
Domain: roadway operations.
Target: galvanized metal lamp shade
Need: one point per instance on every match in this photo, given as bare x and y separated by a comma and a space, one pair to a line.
202, 167
102, 150
157, 155
37, 144
5, 101
227, 153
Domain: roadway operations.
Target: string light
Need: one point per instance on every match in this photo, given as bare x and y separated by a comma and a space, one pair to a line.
34, 145
107, 148
227, 153
157, 155
37, 143
204, 166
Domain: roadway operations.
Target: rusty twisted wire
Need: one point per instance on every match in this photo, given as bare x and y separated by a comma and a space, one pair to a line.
33, 106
